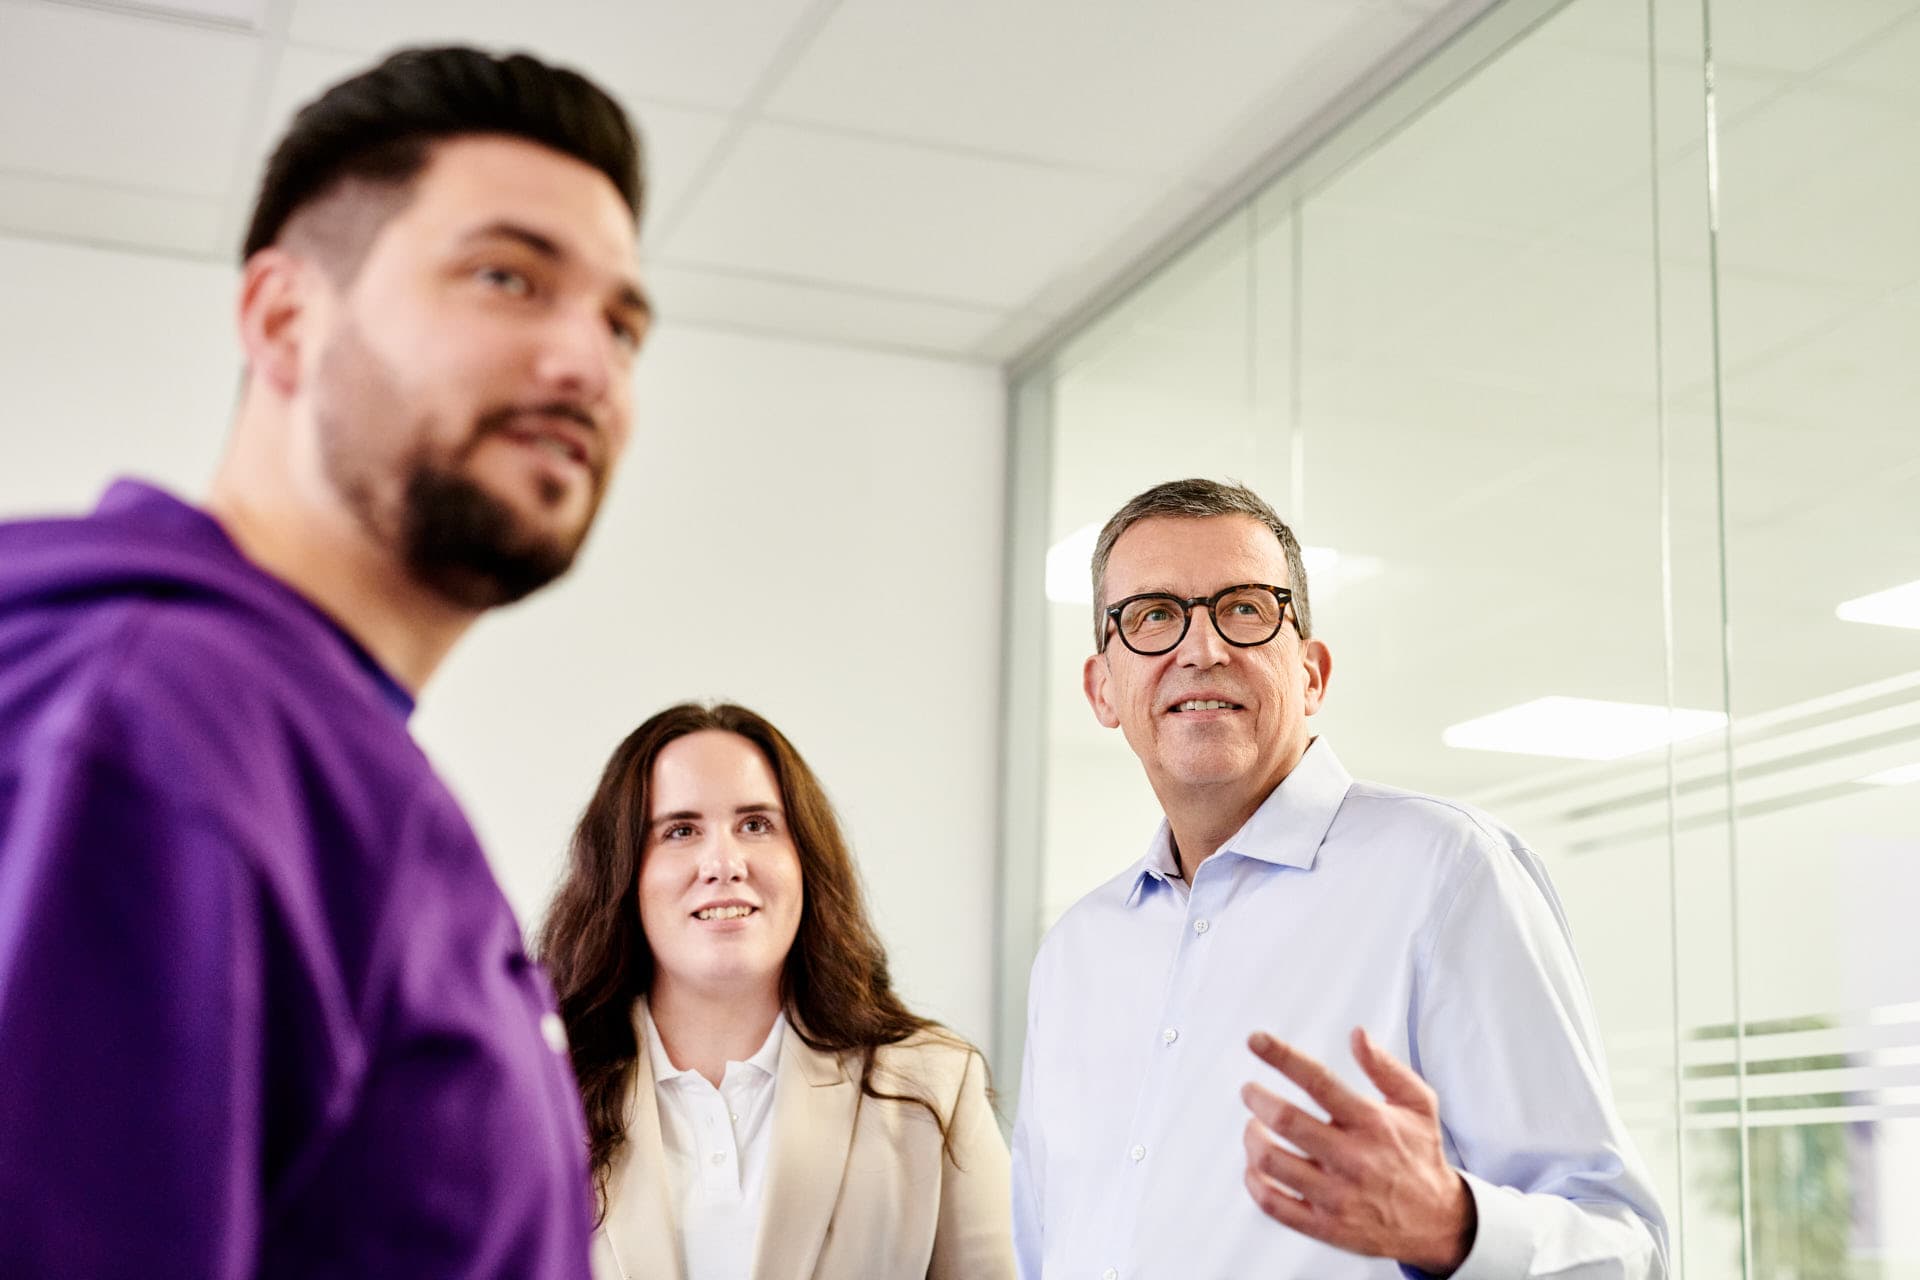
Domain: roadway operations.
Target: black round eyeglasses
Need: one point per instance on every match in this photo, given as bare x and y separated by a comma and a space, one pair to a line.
1246, 616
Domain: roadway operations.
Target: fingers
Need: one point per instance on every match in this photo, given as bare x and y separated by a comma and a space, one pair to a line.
1277, 1203
1297, 1174
1397, 1082
1318, 1139
1341, 1103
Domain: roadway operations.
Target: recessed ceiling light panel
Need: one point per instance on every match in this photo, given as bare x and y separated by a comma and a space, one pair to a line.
1894, 607
1070, 566
1582, 728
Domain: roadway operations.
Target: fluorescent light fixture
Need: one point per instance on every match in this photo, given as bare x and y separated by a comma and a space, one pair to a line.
1330, 572
1581, 728
1894, 777
1070, 568
1894, 607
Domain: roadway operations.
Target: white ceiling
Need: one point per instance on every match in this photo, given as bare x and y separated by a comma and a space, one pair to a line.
946, 176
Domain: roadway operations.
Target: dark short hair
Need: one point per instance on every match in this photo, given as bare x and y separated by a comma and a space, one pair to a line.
379, 127
1195, 500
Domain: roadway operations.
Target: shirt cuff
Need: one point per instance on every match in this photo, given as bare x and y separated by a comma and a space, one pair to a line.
1502, 1236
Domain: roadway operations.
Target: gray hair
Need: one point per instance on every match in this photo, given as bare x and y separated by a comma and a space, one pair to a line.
1193, 500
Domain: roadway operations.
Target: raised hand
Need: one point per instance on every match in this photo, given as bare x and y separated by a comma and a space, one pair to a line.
1373, 1177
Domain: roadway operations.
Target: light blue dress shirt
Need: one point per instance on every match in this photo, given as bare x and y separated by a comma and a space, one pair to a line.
1338, 904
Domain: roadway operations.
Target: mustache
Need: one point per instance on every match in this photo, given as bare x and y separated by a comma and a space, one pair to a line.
497, 420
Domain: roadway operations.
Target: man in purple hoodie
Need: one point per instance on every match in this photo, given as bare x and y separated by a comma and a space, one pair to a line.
263, 1009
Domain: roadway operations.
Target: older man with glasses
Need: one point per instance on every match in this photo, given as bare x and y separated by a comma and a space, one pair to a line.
1286, 909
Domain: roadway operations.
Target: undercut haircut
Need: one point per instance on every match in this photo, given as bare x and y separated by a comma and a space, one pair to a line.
375, 132
1198, 499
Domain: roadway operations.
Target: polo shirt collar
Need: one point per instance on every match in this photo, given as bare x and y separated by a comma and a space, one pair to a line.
766, 1060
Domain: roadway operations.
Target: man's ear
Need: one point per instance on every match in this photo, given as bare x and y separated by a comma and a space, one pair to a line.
1094, 678
1317, 659
274, 304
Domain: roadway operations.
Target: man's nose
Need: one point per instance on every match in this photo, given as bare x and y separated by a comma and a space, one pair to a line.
1202, 646
576, 356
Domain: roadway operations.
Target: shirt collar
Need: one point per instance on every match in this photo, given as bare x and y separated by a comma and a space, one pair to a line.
1286, 830
766, 1060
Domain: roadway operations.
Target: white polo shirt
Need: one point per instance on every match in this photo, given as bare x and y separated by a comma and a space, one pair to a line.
717, 1141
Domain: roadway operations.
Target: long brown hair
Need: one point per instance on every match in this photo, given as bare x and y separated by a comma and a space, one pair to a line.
835, 987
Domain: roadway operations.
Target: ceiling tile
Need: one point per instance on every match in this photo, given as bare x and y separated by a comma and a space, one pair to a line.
1885, 67
898, 219
816, 312
1149, 83
89, 213
123, 100
678, 143
1794, 36
709, 54
245, 13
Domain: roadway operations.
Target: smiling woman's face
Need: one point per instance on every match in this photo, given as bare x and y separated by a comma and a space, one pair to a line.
720, 884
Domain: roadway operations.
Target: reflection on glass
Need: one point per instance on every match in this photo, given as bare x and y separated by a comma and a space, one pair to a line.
1819, 297
1611, 528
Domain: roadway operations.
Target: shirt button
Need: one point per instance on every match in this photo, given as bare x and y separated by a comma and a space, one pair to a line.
1138, 1153
554, 1032
1169, 1035
719, 1157
1200, 926
734, 1116
1109, 1274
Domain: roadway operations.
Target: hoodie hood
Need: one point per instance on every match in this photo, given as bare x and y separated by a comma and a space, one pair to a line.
141, 541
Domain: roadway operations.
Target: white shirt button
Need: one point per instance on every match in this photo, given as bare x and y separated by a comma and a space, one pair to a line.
1169, 1035
554, 1032
1138, 1153
718, 1157
1200, 926
1109, 1274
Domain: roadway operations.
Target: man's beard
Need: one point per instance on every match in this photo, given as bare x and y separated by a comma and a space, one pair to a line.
451, 535
463, 543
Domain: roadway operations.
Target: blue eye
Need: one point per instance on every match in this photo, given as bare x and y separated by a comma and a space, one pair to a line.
506, 280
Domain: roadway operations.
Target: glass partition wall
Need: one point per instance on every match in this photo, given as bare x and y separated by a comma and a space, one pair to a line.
1583, 362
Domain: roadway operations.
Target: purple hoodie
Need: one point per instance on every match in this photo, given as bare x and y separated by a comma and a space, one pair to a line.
263, 1009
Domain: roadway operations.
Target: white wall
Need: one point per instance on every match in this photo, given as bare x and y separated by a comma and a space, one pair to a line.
812, 530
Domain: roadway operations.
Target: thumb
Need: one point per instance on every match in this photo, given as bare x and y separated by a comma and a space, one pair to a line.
1395, 1080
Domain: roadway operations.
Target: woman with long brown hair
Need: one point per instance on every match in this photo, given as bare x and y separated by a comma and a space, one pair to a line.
760, 1104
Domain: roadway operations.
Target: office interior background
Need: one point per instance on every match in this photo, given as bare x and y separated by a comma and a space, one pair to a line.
1575, 337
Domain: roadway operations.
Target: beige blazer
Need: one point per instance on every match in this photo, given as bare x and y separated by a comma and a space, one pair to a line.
857, 1188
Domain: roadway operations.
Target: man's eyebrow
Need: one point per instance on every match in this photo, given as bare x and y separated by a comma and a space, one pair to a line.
544, 245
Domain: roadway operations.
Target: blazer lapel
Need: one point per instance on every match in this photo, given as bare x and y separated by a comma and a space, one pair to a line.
815, 1105
640, 1224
